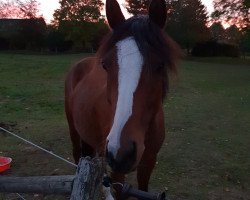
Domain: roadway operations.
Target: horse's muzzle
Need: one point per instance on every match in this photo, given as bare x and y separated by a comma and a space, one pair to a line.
124, 162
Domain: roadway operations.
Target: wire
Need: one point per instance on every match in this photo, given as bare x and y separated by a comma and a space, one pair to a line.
20, 196
31, 143
117, 183
45, 150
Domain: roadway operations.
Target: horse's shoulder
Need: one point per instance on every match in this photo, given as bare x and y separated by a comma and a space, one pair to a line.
80, 70
84, 66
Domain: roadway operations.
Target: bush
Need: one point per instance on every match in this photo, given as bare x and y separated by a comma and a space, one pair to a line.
85, 36
4, 43
22, 34
214, 48
56, 41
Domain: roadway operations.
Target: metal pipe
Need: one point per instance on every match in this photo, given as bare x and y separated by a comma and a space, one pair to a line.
129, 191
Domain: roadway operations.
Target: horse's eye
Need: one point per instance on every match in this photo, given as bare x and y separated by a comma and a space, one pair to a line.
104, 65
161, 66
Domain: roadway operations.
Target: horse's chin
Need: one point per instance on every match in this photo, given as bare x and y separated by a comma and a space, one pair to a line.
123, 170
123, 167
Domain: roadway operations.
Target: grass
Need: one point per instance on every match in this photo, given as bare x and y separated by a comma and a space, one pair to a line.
206, 154
207, 151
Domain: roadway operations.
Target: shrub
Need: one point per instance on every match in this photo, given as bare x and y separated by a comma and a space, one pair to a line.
214, 48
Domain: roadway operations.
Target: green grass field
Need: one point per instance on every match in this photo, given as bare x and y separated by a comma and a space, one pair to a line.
206, 155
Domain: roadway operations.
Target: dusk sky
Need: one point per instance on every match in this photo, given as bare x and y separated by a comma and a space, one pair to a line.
48, 7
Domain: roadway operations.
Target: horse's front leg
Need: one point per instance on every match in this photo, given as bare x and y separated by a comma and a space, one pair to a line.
145, 169
153, 141
117, 181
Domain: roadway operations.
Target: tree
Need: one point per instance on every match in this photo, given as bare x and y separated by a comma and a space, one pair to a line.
21, 9
234, 35
80, 21
247, 3
78, 10
24, 27
232, 11
84, 35
29, 8
218, 33
187, 21
231, 35
56, 40
9, 9
23, 33
33, 33
245, 42
136, 7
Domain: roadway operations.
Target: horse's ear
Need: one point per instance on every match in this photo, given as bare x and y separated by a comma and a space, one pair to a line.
114, 14
158, 12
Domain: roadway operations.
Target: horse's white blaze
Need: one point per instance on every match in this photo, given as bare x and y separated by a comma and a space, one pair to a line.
130, 63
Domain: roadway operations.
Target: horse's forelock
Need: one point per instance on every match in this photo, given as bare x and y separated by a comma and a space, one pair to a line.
152, 42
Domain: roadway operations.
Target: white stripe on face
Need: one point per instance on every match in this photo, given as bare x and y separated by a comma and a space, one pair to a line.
130, 63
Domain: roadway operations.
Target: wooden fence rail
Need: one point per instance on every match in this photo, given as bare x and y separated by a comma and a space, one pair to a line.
85, 185
37, 185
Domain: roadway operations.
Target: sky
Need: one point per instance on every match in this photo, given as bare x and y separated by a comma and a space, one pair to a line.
48, 7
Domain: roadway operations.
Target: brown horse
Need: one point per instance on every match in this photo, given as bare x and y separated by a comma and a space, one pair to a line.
114, 99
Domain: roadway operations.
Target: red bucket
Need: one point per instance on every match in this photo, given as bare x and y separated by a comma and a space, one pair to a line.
4, 163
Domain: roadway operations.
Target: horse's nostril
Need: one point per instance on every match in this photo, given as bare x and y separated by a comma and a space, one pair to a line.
133, 147
109, 158
124, 161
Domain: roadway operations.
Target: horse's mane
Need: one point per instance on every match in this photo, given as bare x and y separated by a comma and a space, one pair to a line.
152, 43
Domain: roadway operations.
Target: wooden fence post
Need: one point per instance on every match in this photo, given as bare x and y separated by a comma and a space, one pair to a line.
88, 180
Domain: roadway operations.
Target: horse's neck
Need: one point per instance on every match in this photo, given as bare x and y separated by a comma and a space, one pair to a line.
98, 78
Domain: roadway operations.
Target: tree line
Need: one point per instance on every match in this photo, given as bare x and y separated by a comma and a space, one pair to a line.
78, 25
